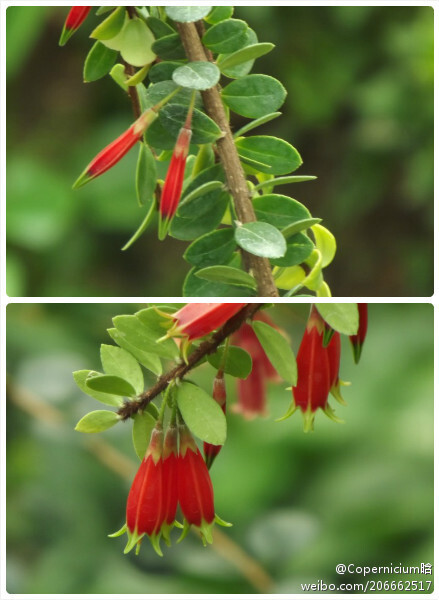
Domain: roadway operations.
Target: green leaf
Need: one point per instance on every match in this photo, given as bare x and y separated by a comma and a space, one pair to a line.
111, 26
299, 248
169, 47
142, 427
243, 68
99, 61
159, 28
229, 275
261, 239
280, 211
271, 183
256, 123
187, 14
325, 243
278, 350
298, 226
343, 317
155, 322
148, 360
210, 186
136, 46
162, 71
198, 75
141, 336
243, 55
146, 176
97, 420
110, 384
226, 36
238, 361
119, 362
277, 153
157, 137
254, 95
219, 13
80, 378
204, 129
159, 91
193, 286
212, 248
142, 227
201, 413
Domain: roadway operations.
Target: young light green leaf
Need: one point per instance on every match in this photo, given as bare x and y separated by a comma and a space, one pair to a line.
136, 47
97, 420
143, 425
343, 317
227, 61
256, 123
299, 248
146, 176
169, 47
141, 336
197, 75
204, 129
80, 378
229, 275
187, 14
119, 362
271, 183
279, 210
119, 76
149, 361
226, 36
212, 248
261, 239
281, 157
278, 351
219, 13
325, 243
110, 384
98, 63
254, 95
238, 361
298, 226
201, 413
111, 26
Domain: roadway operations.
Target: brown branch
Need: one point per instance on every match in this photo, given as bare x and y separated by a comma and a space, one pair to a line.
179, 371
236, 181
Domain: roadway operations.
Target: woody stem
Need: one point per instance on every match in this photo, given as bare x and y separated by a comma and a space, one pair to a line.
236, 181
177, 372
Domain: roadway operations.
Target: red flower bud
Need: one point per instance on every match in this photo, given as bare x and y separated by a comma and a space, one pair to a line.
211, 451
198, 319
112, 153
357, 340
145, 511
74, 20
252, 399
317, 371
195, 490
173, 185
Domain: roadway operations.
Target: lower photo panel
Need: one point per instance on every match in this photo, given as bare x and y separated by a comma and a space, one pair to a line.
219, 448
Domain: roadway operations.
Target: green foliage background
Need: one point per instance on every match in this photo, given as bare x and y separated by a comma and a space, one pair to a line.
359, 109
357, 493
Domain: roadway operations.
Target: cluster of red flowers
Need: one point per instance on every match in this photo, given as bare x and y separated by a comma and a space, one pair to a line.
172, 472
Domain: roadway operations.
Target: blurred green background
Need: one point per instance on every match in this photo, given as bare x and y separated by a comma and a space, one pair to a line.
359, 109
357, 493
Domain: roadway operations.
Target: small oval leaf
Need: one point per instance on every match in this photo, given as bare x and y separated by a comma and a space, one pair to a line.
110, 384
211, 249
202, 414
261, 239
80, 378
226, 36
341, 316
119, 362
197, 75
136, 45
99, 62
281, 157
97, 420
227, 275
243, 55
187, 14
254, 95
238, 361
278, 350
142, 427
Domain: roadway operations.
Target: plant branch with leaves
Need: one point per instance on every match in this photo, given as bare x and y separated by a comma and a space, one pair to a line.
186, 69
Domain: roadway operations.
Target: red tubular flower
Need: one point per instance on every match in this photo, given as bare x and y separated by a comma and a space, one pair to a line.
145, 513
252, 391
357, 340
211, 451
112, 153
198, 319
195, 490
173, 185
170, 491
74, 20
317, 371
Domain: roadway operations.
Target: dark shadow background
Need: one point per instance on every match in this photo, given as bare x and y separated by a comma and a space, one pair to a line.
359, 110
358, 493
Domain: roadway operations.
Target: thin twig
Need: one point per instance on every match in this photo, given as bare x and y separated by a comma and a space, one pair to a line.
236, 181
179, 371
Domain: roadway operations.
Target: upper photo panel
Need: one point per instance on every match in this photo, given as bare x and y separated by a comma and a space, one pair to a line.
219, 151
